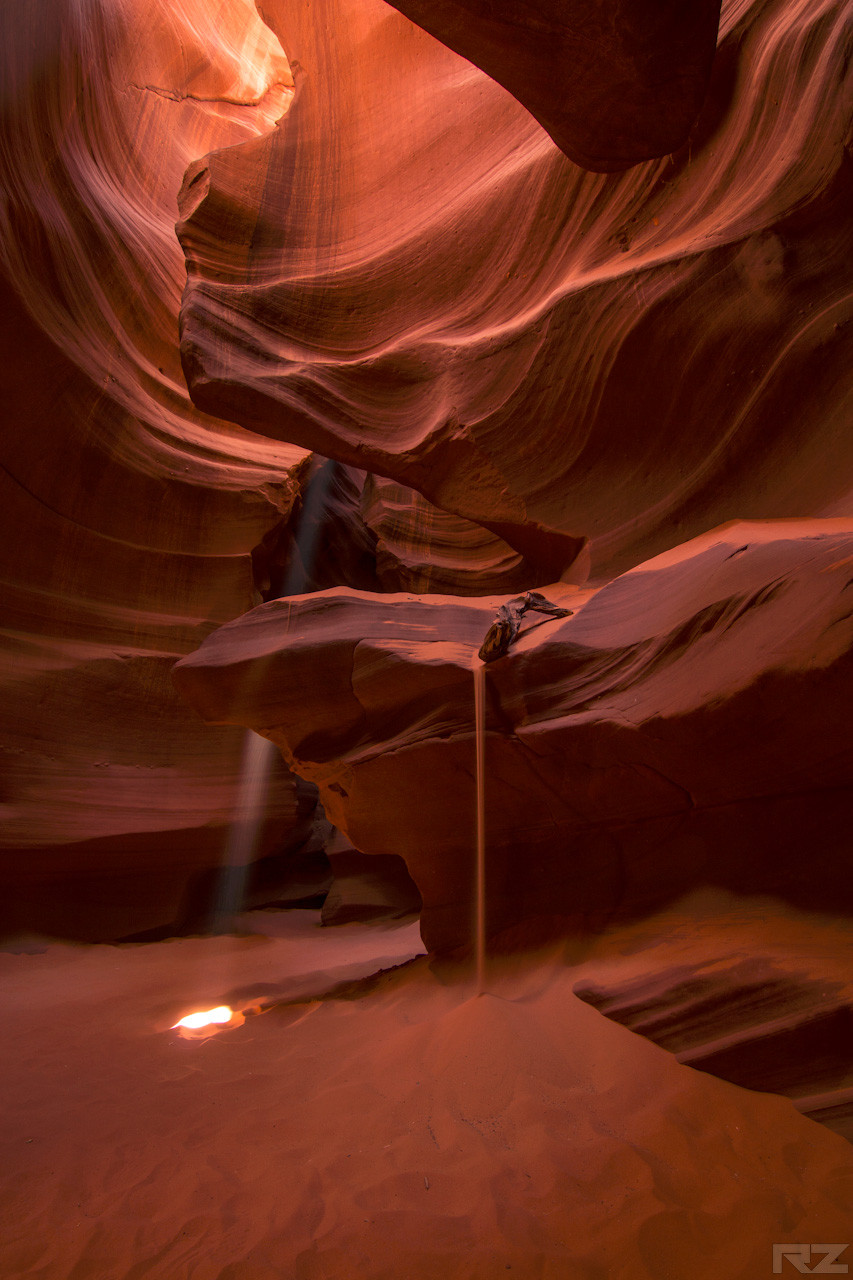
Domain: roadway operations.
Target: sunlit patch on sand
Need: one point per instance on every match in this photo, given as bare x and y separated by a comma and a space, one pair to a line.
206, 1022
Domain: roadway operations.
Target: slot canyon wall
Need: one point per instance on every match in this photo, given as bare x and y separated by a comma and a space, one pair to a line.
128, 516
523, 371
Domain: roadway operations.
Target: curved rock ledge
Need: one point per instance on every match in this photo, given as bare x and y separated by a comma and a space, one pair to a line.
389, 262
748, 990
409, 277
686, 726
613, 83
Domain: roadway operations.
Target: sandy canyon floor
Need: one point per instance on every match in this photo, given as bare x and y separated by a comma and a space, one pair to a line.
401, 1127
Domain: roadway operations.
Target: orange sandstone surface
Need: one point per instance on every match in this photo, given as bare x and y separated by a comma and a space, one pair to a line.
627, 387
533, 369
686, 725
396, 1128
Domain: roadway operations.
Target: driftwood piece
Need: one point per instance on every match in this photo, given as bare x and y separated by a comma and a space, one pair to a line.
504, 630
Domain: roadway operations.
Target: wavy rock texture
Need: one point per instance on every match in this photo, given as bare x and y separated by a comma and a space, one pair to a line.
516, 370
751, 992
352, 528
408, 276
128, 515
420, 548
687, 725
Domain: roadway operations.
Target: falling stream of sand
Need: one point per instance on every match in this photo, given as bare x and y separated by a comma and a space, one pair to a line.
480, 739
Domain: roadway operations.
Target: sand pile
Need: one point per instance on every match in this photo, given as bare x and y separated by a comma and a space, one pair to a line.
402, 1130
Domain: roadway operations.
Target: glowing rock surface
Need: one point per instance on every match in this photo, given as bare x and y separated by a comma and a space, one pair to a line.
128, 515
409, 276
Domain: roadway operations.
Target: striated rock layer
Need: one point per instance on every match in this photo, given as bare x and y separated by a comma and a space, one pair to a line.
405, 274
128, 516
751, 991
409, 277
686, 726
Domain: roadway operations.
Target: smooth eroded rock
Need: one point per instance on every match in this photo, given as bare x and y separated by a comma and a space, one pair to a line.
409, 277
613, 83
685, 726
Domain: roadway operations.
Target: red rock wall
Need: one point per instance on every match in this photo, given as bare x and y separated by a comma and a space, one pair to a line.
612, 83
128, 516
685, 726
409, 276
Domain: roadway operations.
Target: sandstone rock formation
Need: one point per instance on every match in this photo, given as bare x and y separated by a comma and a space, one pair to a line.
504, 356
613, 83
686, 726
431, 363
367, 886
128, 516
750, 991
409, 277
